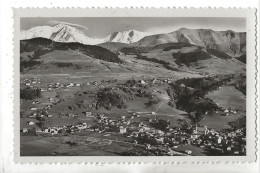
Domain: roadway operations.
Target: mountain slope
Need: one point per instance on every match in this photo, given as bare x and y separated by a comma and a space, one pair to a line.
41, 46
226, 41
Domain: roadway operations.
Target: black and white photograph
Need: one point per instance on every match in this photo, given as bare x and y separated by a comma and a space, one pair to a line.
133, 86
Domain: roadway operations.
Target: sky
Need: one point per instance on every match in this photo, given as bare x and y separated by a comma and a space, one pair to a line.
100, 27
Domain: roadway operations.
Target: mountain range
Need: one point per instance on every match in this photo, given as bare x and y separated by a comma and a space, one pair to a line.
226, 41
67, 33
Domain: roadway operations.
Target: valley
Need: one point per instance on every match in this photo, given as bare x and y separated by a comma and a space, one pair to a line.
141, 98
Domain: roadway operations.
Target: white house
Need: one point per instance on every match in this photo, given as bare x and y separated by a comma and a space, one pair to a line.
226, 111
25, 130
122, 129
31, 123
33, 109
219, 140
188, 151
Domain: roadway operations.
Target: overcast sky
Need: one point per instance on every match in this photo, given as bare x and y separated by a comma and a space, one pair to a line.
102, 27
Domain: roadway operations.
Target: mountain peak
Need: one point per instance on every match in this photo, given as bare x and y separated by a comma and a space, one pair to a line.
129, 36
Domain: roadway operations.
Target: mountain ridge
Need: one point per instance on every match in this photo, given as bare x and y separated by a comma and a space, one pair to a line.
227, 41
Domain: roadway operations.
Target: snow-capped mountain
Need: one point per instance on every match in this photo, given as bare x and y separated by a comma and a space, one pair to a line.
60, 33
126, 36
69, 33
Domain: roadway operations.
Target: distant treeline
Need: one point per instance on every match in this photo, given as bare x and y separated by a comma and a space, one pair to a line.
67, 64
30, 93
135, 50
218, 54
177, 46
206, 84
158, 61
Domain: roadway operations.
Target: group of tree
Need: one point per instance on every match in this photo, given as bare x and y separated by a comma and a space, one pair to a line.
177, 46
29, 64
188, 95
109, 98
30, 93
158, 61
67, 65
135, 50
218, 54
190, 57
240, 83
205, 84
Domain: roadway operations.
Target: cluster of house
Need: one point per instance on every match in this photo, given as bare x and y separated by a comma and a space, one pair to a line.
57, 130
30, 82
200, 136
229, 111
232, 142
84, 113
156, 81
58, 85
162, 81
43, 107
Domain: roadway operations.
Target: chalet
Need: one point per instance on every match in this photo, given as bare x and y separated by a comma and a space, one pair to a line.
25, 130
122, 129
33, 109
35, 102
47, 130
219, 140
31, 123
142, 82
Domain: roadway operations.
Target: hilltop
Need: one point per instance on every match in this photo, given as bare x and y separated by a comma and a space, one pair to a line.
226, 41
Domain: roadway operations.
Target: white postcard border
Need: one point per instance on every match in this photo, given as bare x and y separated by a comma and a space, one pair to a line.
249, 14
